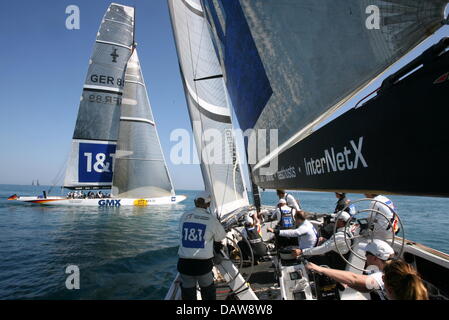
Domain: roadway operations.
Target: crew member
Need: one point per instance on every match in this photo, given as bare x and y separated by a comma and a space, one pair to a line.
343, 203
329, 249
383, 226
285, 215
251, 233
199, 229
305, 232
291, 201
378, 252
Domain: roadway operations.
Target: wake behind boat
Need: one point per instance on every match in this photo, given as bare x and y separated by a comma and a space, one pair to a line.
115, 142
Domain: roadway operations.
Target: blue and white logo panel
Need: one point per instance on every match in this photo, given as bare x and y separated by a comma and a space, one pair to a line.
193, 235
95, 162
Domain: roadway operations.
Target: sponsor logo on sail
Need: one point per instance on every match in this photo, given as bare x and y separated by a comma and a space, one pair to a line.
114, 55
349, 158
102, 79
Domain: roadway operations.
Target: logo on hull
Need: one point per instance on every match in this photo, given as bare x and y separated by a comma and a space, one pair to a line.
109, 203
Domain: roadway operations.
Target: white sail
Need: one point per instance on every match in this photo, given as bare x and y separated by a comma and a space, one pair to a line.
95, 136
140, 170
208, 108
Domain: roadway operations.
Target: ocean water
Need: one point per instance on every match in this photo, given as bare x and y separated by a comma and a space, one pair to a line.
131, 252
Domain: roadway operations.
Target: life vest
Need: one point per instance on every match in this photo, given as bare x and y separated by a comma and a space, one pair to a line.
394, 221
256, 241
287, 219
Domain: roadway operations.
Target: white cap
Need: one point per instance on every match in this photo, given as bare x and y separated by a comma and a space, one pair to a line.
249, 220
282, 201
204, 195
379, 248
343, 215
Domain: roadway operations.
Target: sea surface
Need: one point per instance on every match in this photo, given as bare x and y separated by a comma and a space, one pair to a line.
131, 252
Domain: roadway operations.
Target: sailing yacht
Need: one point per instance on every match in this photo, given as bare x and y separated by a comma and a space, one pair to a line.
115, 142
290, 66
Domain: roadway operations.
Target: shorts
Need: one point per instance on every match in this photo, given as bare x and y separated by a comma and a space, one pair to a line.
204, 280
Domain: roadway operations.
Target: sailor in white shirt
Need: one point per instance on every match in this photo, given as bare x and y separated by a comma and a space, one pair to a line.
305, 232
382, 227
378, 252
291, 201
199, 230
329, 247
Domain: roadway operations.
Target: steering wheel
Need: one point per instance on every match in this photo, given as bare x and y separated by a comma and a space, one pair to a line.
369, 232
240, 264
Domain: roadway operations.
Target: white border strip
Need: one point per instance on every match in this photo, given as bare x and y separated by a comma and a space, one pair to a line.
194, 5
222, 111
90, 86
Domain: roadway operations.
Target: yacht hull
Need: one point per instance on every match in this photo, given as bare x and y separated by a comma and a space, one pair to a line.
107, 202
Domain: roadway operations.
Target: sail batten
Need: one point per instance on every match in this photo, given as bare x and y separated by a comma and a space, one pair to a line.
96, 131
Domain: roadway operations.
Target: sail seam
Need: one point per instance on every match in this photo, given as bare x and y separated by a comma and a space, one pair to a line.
136, 82
123, 23
115, 44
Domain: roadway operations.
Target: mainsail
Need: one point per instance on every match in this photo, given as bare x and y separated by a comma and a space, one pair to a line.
96, 131
288, 65
208, 107
139, 167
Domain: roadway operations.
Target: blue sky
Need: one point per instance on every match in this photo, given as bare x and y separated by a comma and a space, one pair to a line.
43, 70
44, 66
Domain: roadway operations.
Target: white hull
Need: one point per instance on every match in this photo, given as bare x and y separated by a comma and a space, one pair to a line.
107, 202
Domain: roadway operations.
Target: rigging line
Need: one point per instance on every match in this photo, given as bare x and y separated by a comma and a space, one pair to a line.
369, 94
201, 120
